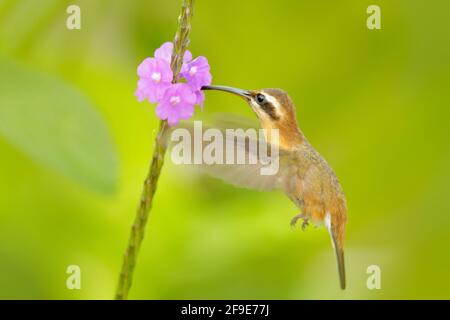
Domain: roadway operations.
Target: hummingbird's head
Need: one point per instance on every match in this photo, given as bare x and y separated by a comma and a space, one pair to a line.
274, 109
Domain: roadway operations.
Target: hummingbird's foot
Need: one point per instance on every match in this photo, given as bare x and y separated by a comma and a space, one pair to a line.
295, 219
305, 222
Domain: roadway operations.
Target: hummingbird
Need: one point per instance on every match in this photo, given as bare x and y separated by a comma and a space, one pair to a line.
304, 175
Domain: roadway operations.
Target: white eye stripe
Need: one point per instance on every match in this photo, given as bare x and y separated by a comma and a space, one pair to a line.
272, 101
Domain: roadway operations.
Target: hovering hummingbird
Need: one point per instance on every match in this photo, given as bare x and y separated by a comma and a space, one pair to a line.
303, 175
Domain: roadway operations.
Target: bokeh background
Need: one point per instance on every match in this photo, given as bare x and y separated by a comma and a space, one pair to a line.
75, 147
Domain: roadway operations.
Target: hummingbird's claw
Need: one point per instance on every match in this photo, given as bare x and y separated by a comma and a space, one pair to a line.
305, 223
297, 217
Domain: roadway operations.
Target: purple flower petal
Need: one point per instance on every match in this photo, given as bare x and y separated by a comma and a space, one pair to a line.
165, 53
157, 70
140, 95
200, 95
177, 104
155, 76
197, 73
154, 92
187, 56
175, 101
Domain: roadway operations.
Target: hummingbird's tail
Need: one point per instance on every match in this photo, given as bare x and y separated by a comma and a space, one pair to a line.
341, 265
338, 248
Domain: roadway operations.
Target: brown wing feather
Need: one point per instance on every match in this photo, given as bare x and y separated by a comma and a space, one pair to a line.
242, 175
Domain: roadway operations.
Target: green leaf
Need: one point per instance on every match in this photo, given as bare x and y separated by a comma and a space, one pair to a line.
57, 127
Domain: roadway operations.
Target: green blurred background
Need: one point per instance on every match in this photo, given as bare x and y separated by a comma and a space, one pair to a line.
75, 147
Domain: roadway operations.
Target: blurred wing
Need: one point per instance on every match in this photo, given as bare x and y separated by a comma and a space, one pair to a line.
260, 166
223, 120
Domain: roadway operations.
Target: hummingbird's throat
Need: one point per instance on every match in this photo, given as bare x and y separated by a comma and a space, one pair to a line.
289, 137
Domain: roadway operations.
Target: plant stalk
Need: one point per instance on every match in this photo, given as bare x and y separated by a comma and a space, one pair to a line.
145, 205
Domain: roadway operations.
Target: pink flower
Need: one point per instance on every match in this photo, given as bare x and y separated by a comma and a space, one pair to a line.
175, 101
177, 104
155, 76
197, 73
200, 98
165, 53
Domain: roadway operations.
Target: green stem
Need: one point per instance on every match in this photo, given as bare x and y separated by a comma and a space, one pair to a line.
140, 221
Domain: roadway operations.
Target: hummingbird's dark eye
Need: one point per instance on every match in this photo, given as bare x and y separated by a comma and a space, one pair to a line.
260, 98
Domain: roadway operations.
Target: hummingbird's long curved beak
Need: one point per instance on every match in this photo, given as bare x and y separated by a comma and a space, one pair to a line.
246, 94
